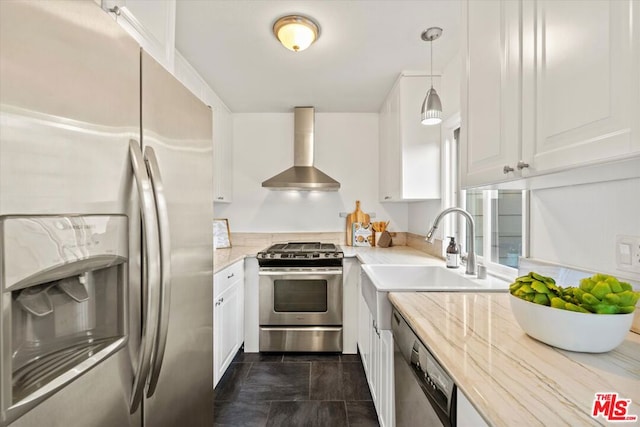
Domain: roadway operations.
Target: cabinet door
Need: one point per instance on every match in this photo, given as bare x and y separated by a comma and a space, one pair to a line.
389, 150
364, 334
386, 394
251, 303
409, 153
374, 361
239, 313
467, 416
223, 154
581, 83
420, 165
490, 131
225, 330
350, 293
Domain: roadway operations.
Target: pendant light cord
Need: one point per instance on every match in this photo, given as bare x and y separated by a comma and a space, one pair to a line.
431, 59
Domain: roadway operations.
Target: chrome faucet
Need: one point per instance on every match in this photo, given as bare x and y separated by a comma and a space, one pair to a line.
471, 257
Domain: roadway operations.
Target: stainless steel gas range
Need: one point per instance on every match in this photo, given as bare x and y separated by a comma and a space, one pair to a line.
300, 291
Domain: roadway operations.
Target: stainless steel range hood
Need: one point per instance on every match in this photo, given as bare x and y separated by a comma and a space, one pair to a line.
302, 175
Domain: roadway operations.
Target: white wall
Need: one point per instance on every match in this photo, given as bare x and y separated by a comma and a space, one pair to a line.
346, 148
577, 225
422, 214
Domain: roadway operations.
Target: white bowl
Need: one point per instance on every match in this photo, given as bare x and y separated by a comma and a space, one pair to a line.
570, 330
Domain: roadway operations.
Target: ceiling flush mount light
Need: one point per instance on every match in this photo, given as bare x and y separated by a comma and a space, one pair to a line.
431, 106
296, 32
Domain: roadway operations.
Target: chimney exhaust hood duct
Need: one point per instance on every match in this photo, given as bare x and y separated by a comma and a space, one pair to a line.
302, 175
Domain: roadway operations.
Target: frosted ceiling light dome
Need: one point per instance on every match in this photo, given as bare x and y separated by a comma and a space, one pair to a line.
296, 32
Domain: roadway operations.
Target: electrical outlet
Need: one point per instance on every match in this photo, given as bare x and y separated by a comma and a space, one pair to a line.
628, 253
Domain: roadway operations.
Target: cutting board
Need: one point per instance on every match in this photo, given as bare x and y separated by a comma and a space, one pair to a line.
355, 216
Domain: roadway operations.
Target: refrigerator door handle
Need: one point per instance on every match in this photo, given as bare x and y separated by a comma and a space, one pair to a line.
165, 268
150, 274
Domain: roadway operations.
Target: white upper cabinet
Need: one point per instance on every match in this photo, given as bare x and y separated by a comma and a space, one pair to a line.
490, 131
151, 23
549, 86
581, 82
222, 153
222, 129
409, 153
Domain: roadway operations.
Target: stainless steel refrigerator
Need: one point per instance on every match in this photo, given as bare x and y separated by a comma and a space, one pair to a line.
106, 258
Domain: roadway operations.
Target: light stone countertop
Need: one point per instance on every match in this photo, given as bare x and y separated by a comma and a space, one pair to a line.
510, 378
223, 258
391, 255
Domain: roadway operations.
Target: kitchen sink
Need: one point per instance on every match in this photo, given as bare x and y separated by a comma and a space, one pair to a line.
378, 280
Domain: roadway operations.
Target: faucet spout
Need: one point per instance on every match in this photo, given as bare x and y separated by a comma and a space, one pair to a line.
471, 258
430, 234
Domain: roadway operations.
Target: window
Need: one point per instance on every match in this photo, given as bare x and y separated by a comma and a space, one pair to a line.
499, 213
500, 218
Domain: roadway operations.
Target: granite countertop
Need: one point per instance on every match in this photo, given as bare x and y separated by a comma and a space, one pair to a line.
510, 378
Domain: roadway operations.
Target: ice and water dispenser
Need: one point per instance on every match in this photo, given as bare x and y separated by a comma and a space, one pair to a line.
63, 300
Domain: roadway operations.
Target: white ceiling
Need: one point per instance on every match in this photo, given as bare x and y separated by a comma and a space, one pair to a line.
363, 46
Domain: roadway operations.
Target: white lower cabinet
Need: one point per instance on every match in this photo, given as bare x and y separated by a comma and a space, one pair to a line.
364, 331
386, 396
376, 351
228, 317
466, 414
350, 292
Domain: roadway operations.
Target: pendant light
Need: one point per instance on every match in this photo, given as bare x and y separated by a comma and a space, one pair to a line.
296, 32
431, 106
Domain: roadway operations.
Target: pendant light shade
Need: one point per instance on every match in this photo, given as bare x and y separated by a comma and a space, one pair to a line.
431, 112
296, 32
431, 108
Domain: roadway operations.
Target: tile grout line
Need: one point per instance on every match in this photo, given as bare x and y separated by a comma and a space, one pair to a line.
310, 369
346, 412
266, 422
339, 363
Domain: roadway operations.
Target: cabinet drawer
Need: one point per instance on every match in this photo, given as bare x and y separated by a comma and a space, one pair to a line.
223, 279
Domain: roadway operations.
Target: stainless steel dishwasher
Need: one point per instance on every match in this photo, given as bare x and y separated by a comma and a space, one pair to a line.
425, 394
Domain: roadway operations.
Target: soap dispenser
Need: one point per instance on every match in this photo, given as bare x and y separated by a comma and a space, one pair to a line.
453, 254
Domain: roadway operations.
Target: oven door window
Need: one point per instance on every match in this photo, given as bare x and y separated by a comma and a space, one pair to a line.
300, 296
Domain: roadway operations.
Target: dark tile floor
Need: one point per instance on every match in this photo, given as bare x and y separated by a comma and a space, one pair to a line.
294, 389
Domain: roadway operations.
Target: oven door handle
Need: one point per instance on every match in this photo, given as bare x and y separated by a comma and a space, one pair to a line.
297, 272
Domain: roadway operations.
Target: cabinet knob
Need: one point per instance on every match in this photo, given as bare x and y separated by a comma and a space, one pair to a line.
387, 197
221, 300
220, 197
521, 165
506, 169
